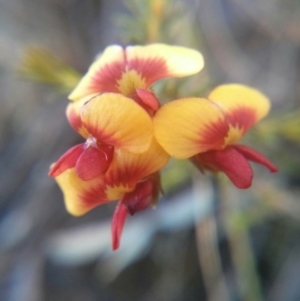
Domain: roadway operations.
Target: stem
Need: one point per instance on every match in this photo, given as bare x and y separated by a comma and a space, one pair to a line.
207, 236
243, 259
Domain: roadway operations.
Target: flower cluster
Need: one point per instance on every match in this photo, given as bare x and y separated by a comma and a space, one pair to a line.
129, 136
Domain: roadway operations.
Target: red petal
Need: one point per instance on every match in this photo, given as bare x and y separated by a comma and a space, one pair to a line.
66, 161
94, 161
231, 162
117, 224
140, 198
256, 157
149, 100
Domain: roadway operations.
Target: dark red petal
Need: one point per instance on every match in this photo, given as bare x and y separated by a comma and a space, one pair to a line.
117, 224
232, 163
140, 198
256, 157
148, 98
66, 161
94, 161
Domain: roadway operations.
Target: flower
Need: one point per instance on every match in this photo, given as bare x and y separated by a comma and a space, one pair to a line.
131, 178
107, 121
112, 109
130, 71
208, 130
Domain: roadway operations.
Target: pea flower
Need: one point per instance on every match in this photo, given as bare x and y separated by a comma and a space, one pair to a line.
133, 179
106, 121
208, 131
132, 70
112, 109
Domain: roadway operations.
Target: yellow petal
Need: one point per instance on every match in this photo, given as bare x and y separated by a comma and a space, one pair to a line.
102, 75
127, 168
186, 127
117, 120
243, 106
81, 196
156, 61
125, 70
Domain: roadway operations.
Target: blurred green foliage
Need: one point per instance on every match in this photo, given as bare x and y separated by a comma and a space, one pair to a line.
41, 65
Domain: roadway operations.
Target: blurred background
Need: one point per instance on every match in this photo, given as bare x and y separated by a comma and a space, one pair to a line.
206, 240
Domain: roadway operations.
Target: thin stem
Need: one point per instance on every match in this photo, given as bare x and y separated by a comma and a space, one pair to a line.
242, 255
207, 235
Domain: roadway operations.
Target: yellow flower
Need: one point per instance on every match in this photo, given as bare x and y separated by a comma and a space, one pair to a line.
208, 130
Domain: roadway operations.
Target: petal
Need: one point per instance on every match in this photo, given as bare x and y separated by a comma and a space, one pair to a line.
140, 198
94, 161
256, 157
103, 74
243, 106
145, 194
116, 120
127, 168
157, 61
119, 70
149, 100
117, 224
66, 161
188, 126
81, 196
73, 115
231, 162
